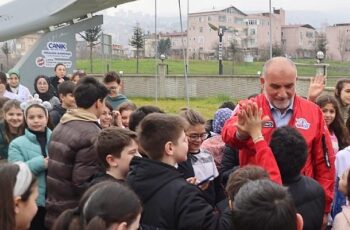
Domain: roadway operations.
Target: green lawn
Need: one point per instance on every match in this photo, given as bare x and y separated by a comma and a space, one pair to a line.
148, 66
205, 106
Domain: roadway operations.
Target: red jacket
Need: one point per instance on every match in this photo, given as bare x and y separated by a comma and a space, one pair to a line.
308, 119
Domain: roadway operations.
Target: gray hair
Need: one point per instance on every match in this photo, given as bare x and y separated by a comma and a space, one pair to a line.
274, 59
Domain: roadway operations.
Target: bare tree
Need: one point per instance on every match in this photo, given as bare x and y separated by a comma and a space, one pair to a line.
91, 36
6, 50
343, 42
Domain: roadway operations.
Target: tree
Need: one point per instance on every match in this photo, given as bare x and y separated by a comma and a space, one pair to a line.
321, 43
137, 41
343, 42
233, 49
6, 50
164, 46
91, 36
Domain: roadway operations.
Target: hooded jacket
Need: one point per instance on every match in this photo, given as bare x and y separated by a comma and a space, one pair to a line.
307, 118
169, 202
116, 101
72, 162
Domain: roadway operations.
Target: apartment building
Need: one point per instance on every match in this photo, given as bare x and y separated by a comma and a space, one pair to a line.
249, 31
299, 41
338, 42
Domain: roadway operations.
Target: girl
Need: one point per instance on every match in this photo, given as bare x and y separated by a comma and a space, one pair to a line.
341, 221
77, 75
106, 118
340, 140
11, 127
125, 110
19, 191
342, 94
333, 118
200, 163
31, 148
97, 210
45, 90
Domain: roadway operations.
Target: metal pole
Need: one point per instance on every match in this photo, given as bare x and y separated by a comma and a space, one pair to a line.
156, 49
220, 33
188, 26
270, 29
184, 57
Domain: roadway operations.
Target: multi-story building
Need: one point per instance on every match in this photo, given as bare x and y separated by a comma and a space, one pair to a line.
298, 41
338, 42
249, 31
24, 43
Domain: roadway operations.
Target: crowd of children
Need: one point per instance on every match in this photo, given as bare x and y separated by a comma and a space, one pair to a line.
79, 155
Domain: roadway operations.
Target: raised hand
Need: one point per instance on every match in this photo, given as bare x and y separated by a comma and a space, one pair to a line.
317, 85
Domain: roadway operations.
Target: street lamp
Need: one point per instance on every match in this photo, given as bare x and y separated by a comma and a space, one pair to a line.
221, 31
320, 66
162, 57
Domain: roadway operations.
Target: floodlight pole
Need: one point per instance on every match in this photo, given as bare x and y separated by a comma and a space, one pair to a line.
220, 34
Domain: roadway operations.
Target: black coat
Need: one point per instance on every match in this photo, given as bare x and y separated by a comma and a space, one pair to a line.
309, 199
56, 113
54, 83
229, 163
169, 202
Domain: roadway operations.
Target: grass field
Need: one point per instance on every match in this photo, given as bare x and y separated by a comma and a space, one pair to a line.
148, 66
205, 106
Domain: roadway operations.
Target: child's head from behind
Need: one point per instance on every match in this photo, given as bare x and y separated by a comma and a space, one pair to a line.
112, 206
115, 148
195, 132
65, 92
19, 192
140, 113
264, 205
241, 176
162, 136
290, 151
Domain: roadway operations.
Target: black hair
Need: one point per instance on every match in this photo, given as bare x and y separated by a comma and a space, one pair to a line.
88, 91
58, 64
140, 113
339, 87
227, 104
66, 87
264, 205
111, 77
290, 150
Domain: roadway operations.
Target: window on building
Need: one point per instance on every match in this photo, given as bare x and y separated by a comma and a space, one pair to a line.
209, 18
222, 18
239, 21
200, 19
201, 29
252, 32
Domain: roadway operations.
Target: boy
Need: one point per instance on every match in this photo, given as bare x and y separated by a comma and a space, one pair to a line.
65, 92
169, 202
115, 149
113, 83
264, 205
73, 157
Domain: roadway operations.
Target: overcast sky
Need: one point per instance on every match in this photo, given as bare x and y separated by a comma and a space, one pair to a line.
170, 7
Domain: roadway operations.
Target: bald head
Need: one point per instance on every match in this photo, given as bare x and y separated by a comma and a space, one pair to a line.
279, 65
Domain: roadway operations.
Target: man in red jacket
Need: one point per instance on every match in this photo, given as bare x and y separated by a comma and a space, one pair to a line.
281, 106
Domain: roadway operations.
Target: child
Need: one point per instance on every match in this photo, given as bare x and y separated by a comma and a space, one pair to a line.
340, 140
341, 93
341, 220
65, 92
11, 127
100, 210
19, 190
140, 113
31, 148
115, 149
106, 118
333, 118
169, 201
113, 83
200, 163
125, 111
97, 209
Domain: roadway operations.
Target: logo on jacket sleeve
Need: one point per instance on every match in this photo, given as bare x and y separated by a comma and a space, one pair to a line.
301, 123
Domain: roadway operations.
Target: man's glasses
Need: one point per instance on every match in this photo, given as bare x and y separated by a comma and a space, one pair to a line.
194, 137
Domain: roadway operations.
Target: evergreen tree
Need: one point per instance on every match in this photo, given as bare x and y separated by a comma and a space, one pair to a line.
137, 41
6, 50
164, 46
91, 36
